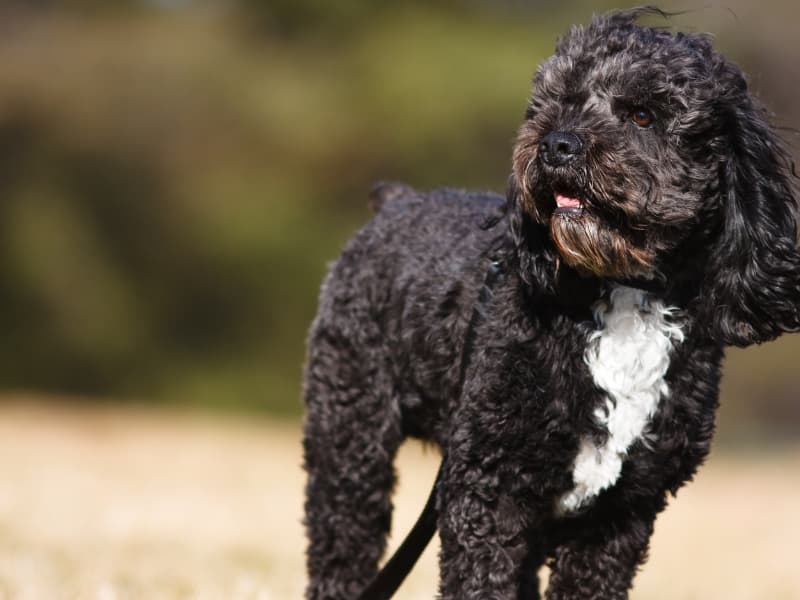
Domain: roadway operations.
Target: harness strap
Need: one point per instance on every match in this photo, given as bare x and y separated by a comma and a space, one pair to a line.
397, 568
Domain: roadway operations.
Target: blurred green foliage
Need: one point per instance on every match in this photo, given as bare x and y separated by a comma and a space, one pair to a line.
174, 175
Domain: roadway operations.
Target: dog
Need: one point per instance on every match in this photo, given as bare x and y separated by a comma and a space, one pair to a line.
649, 223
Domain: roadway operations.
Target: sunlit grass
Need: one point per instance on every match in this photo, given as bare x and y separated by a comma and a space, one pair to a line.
100, 503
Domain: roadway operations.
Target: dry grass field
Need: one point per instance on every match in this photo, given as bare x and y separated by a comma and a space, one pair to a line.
110, 503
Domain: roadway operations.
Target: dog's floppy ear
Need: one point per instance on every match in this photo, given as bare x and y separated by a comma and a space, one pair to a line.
753, 279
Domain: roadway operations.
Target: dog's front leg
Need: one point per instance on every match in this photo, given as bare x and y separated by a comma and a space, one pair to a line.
484, 528
489, 505
600, 558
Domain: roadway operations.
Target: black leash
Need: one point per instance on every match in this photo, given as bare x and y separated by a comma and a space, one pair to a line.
405, 557
397, 568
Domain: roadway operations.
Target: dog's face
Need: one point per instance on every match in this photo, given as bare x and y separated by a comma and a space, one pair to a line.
621, 149
643, 149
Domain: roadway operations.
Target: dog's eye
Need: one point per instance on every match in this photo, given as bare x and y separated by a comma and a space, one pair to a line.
642, 117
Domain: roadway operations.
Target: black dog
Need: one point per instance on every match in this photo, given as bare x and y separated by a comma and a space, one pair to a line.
649, 223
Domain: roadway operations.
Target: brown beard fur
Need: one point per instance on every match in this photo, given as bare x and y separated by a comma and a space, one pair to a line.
590, 247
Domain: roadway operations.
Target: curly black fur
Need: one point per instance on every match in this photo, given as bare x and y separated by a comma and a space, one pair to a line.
683, 190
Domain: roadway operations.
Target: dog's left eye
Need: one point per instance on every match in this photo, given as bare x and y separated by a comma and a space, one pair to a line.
642, 117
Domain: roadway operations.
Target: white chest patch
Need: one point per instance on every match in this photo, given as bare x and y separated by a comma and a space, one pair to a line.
628, 357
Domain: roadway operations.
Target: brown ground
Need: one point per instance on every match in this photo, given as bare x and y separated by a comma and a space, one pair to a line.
119, 503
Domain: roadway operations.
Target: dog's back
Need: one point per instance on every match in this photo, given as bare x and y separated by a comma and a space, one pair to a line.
403, 288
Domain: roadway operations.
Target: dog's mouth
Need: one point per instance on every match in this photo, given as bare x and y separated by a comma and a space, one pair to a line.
567, 204
567, 201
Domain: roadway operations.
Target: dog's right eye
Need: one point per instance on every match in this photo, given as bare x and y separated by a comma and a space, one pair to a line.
642, 117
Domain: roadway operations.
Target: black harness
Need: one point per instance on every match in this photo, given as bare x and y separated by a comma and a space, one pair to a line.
397, 568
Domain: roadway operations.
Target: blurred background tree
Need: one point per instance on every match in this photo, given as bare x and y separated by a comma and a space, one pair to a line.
175, 174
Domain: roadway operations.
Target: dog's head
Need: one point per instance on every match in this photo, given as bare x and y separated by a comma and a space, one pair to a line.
644, 156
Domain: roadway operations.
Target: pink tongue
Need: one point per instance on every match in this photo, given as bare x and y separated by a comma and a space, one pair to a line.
567, 202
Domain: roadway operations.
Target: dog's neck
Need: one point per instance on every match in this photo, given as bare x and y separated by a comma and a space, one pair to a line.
534, 253
575, 289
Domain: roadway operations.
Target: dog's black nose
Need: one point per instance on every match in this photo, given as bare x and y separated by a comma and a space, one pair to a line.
559, 147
